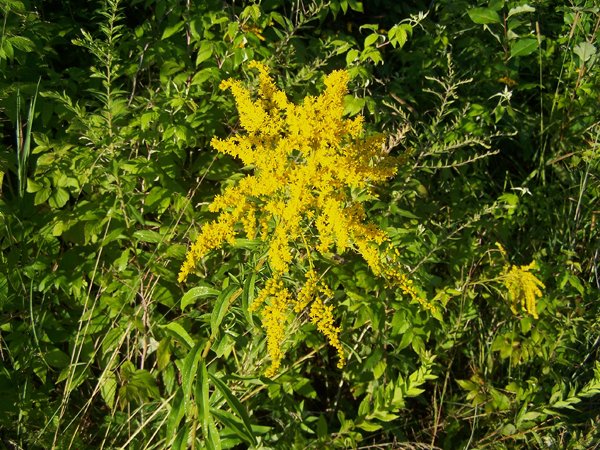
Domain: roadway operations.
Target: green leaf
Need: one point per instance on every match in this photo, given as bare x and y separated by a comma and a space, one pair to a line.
181, 439
355, 5
149, 236
484, 15
353, 105
22, 43
234, 424
188, 373
204, 52
351, 56
496, 5
108, 389
509, 429
59, 198
209, 428
178, 332
235, 405
163, 353
369, 426
176, 414
369, 26
171, 30
413, 392
371, 39
195, 293
585, 51
221, 306
398, 34
384, 416
520, 10
248, 297
523, 47
57, 359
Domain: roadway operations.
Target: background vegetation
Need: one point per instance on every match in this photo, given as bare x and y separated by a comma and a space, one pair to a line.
106, 114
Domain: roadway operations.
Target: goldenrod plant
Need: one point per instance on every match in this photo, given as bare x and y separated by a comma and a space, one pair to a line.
365, 241
307, 161
523, 287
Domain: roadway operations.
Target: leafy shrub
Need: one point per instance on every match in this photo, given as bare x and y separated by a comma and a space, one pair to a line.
489, 113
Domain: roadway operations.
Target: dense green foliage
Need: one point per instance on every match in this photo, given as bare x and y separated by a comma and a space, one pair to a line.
107, 110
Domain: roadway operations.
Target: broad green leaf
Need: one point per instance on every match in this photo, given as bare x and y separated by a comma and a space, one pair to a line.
496, 5
203, 75
520, 10
484, 15
585, 51
523, 47
413, 392
34, 186
195, 293
178, 332
111, 340
171, 30
204, 52
404, 213
353, 105
369, 426
56, 358
509, 429
371, 39
3, 288
398, 34
108, 389
59, 198
149, 236
42, 195
355, 5
139, 386
351, 56
22, 43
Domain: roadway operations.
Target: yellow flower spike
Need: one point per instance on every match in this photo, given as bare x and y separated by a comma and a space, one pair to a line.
322, 316
308, 291
306, 158
523, 288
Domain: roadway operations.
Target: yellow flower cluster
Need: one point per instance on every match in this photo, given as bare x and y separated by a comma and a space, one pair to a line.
306, 159
523, 286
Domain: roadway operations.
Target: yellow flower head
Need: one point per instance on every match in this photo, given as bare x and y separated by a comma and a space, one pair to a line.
523, 287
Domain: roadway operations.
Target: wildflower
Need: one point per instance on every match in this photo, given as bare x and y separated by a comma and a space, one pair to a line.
523, 287
306, 159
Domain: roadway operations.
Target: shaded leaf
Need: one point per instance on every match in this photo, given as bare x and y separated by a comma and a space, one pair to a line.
484, 15
178, 332
523, 47
195, 293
